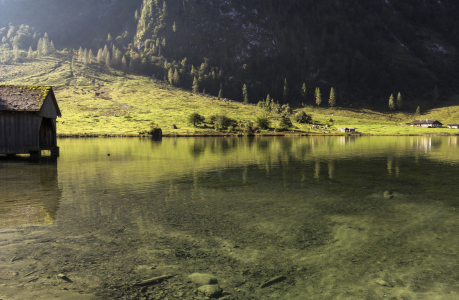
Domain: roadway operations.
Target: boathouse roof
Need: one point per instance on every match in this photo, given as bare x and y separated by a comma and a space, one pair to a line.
26, 98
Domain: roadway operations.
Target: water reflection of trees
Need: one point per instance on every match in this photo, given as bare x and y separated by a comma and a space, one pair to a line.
30, 192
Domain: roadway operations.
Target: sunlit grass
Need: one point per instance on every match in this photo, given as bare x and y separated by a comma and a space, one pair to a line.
128, 104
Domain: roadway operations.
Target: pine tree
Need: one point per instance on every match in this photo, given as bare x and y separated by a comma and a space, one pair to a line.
100, 56
164, 9
73, 62
109, 38
391, 102
45, 45
332, 101
195, 86
220, 94
85, 57
80, 54
245, 94
136, 15
285, 93
193, 71
174, 28
90, 56
418, 111
176, 78
318, 96
40, 46
107, 59
51, 47
303, 91
30, 53
170, 76
124, 63
399, 100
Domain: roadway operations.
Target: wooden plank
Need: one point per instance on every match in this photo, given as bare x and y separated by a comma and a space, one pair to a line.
48, 110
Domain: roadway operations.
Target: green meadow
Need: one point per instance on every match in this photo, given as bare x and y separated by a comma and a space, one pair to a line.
97, 101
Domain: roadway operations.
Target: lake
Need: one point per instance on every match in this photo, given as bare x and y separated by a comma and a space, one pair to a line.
269, 218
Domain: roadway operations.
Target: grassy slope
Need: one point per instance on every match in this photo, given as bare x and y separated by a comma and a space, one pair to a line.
129, 103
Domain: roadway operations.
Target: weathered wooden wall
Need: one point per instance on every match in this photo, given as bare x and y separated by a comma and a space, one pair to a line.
48, 110
19, 132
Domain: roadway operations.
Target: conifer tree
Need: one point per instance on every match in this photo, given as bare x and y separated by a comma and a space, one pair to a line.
164, 9
80, 54
174, 28
109, 38
73, 62
45, 45
136, 15
245, 94
303, 91
399, 100
220, 94
30, 53
124, 63
176, 78
195, 86
418, 111
85, 56
285, 92
100, 56
332, 101
318, 96
193, 71
107, 59
170, 76
90, 56
40, 46
391, 102
51, 47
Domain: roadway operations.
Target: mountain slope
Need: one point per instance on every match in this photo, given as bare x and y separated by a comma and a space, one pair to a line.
367, 50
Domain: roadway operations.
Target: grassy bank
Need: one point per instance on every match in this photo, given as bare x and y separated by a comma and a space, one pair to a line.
96, 101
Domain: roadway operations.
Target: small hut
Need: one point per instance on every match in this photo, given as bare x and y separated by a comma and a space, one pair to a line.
28, 120
347, 129
427, 124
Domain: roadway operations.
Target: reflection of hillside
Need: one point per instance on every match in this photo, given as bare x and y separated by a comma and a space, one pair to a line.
172, 158
29, 193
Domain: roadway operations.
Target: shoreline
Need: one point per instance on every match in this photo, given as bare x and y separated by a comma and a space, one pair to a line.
295, 134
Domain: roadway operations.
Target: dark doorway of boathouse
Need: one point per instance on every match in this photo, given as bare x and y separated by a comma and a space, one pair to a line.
47, 134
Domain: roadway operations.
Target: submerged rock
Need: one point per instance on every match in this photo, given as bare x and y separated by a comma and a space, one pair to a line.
383, 283
388, 195
212, 291
203, 279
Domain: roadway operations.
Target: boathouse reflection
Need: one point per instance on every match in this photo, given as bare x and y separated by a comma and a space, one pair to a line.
29, 192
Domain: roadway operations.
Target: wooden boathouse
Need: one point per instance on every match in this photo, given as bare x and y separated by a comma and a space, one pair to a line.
28, 120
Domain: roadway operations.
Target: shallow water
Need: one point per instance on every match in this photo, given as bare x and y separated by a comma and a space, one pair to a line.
338, 217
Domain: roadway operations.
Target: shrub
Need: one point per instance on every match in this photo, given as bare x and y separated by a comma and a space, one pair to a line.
223, 122
262, 122
248, 128
195, 119
302, 117
212, 119
285, 122
287, 109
